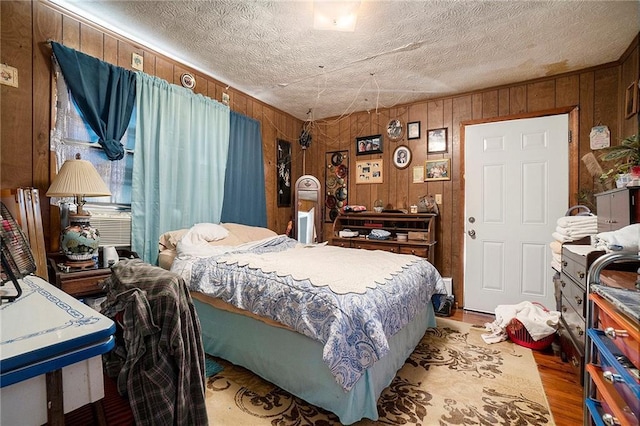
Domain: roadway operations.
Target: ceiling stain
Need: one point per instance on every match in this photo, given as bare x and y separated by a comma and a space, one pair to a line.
557, 67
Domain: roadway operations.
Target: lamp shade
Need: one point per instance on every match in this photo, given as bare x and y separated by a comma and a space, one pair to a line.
78, 177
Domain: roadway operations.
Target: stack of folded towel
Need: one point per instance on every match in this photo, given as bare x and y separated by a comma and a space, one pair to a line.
624, 239
572, 228
568, 229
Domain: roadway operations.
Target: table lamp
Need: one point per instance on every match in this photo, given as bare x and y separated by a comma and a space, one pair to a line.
79, 241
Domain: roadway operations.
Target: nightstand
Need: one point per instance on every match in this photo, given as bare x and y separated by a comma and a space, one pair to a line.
84, 282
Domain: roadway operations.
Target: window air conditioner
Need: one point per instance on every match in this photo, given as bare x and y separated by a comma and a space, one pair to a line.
114, 226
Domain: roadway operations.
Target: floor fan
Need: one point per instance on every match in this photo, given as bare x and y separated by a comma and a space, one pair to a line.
17, 259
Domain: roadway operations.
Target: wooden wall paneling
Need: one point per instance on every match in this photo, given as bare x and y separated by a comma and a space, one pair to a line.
587, 93
629, 72
541, 95
91, 41
269, 153
517, 99
462, 110
149, 63
164, 69
446, 233
125, 50
201, 84
16, 102
490, 104
110, 51
70, 32
240, 103
417, 112
48, 27
476, 102
503, 102
567, 90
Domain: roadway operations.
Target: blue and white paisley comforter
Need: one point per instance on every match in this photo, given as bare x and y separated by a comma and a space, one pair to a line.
354, 328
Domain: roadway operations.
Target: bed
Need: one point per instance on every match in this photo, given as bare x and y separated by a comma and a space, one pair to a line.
330, 325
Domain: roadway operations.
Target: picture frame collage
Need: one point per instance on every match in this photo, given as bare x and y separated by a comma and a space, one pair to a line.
402, 156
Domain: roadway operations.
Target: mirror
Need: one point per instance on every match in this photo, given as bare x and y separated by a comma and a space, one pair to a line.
308, 210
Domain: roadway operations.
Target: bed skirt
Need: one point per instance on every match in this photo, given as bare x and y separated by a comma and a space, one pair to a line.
294, 362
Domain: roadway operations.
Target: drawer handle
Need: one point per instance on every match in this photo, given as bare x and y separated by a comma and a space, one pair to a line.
580, 274
609, 420
564, 263
612, 377
564, 308
580, 331
612, 333
563, 284
578, 300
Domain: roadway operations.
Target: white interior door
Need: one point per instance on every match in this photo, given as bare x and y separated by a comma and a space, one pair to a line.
516, 188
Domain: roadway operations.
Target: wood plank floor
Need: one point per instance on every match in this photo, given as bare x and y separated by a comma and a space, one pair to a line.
561, 386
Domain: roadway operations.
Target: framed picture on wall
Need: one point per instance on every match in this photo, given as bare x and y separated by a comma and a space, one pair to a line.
402, 157
631, 100
437, 170
437, 140
369, 145
369, 171
284, 173
413, 130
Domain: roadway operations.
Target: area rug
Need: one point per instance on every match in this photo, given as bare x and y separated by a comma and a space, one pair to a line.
452, 378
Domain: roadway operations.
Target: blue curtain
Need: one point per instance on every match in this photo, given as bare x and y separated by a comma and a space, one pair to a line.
104, 93
245, 200
179, 165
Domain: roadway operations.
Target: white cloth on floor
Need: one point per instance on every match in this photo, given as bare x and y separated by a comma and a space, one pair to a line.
538, 322
624, 239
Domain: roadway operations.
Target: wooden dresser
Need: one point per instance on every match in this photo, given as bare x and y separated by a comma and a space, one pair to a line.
612, 378
420, 227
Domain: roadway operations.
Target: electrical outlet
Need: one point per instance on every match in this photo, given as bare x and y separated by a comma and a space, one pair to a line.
225, 98
438, 198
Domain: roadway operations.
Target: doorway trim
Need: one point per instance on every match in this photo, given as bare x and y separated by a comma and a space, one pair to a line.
574, 147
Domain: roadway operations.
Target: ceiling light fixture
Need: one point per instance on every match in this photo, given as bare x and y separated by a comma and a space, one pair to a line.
335, 15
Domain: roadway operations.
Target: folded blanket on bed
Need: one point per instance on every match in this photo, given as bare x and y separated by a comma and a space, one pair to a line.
624, 239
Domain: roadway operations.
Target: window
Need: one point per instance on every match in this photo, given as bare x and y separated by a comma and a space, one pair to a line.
71, 135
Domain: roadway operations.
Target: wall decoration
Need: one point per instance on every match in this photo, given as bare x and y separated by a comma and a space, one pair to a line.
631, 100
137, 61
599, 137
188, 80
395, 130
8, 75
413, 130
437, 170
369, 145
437, 140
369, 171
335, 183
284, 173
418, 174
402, 157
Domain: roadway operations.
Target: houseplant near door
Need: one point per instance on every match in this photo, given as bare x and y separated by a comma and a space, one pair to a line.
626, 156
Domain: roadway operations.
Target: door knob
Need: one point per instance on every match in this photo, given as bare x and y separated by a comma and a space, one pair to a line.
472, 233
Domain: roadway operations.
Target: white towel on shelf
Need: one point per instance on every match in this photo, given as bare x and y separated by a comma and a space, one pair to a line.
574, 232
568, 238
624, 239
576, 221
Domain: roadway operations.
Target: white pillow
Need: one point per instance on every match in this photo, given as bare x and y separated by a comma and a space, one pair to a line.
204, 232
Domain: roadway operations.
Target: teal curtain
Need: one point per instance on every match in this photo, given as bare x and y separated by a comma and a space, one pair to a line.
245, 200
180, 161
104, 93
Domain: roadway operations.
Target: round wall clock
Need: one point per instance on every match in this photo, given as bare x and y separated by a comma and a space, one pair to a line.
188, 80
395, 130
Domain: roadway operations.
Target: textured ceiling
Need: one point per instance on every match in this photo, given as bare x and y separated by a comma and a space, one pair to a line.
401, 51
